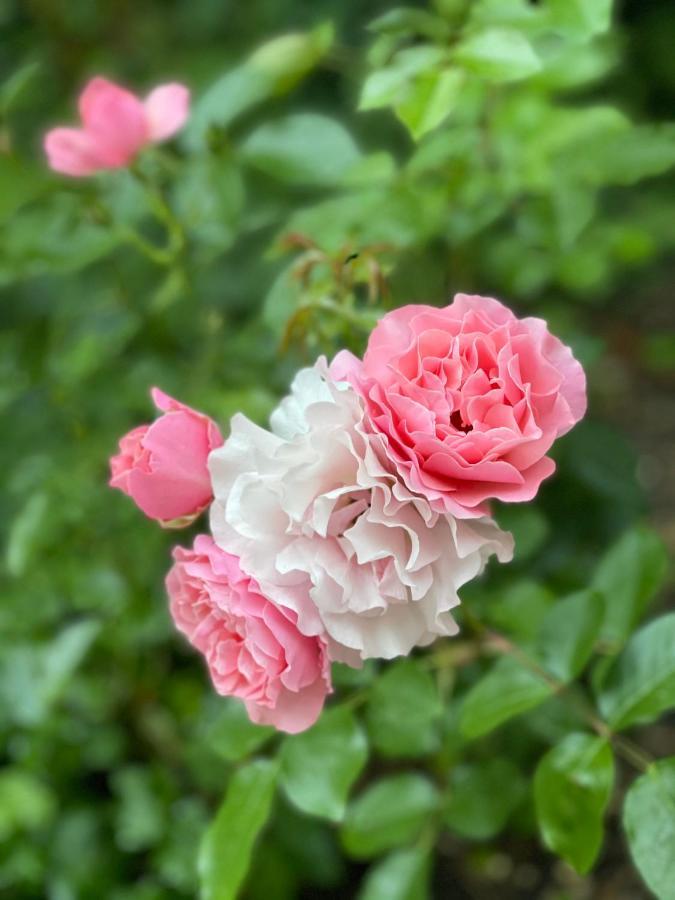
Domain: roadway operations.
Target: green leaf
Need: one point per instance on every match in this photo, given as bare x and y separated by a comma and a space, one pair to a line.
529, 526
407, 19
569, 633
389, 813
404, 710
225, 852
402, 875
507, 690
273, 69
628, 576
231, 733
430, 101
582, 18
649, 821
572, 787
499, 55
628, 156
482, 797
319, 766
391, 84
209, 199
640, 685
302, 149
25, 802
19, 184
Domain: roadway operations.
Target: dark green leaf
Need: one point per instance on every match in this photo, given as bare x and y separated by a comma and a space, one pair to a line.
507, 690
481, 797
649, 820
572, 787
569, 633
319, 766
404, 710
628, 576
390, 813
641, 683
226, 848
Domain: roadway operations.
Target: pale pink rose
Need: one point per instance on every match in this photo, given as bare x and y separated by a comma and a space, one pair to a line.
116, 126
468, 400
162, 466
253, 648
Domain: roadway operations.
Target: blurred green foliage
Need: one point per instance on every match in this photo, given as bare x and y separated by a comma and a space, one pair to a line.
340, 158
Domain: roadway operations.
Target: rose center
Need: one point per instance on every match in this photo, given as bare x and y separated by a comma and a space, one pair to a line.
458, 422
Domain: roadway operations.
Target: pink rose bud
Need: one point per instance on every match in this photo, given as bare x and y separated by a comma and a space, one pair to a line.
162, 466
116, 126
253, 647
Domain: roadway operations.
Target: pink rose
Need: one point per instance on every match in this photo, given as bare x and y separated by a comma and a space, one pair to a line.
253, 647
116, 126
162, 466
467, 400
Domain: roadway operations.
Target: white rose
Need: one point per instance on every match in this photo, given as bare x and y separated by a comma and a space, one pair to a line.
330, 533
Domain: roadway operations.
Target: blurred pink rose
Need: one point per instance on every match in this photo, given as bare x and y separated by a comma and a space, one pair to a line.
162, 466
116, 126
253, 648
467, 399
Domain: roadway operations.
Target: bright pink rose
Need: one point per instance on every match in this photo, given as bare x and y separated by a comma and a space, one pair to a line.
467, 400
253, 647
116, 126
162, 466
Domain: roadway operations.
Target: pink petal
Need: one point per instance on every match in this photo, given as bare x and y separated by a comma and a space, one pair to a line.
73, 152
166, 110
115, 118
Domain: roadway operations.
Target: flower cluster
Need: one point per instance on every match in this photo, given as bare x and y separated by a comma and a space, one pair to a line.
345, 531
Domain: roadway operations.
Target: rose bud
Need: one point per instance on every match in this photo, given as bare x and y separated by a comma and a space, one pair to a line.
162, 466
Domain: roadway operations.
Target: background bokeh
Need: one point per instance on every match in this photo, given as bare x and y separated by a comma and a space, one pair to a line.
550, 190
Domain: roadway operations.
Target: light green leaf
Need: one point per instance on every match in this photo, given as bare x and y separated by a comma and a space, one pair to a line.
392, 84
25, 802
507, 690
319, 766
389, 813
572, 787
569, 633
430, 101
482, 796
402, 875
649, 821
273, 69
26, 532
582, 18
303, 149
499, 54
640, 685
629, 575
629, 156
227, 845
404, 710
